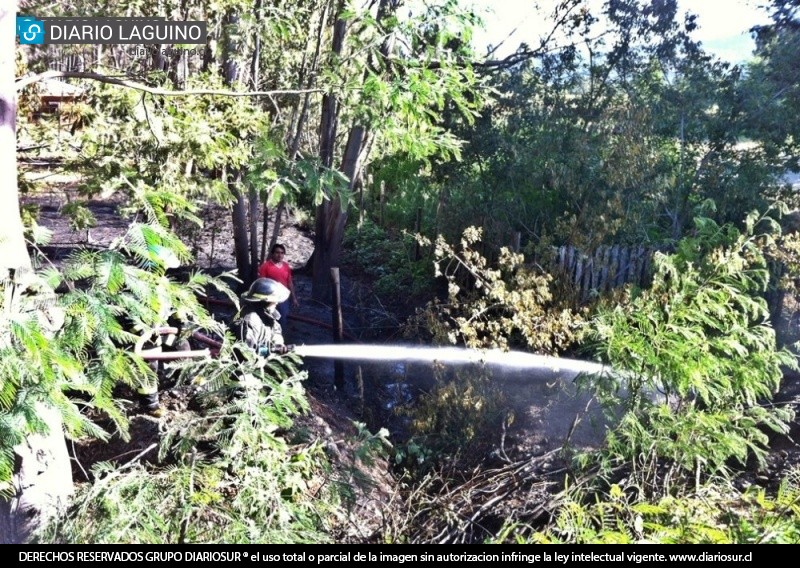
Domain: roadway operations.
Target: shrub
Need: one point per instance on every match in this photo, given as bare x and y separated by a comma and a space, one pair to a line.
714, 514
698, 359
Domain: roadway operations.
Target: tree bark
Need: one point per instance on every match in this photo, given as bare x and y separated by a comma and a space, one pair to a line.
243, 217
42, 481
12, 241
331, 215
42, 478
331, 221
241, 239
264, 231
276, 228
253, 225
328, 211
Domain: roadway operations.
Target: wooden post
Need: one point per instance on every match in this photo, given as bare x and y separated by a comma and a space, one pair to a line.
382, 203
360, 207
516, 241
418, 230
338, 326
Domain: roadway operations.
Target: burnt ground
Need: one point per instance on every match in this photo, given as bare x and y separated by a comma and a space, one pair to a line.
544, 411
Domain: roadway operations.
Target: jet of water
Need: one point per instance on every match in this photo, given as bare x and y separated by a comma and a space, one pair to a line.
453, 356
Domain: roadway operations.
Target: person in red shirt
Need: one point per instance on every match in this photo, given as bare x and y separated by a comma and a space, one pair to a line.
280, 271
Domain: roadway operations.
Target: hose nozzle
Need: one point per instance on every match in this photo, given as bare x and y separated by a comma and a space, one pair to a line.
282, 349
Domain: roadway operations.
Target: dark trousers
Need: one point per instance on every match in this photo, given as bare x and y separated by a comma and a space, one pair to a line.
283, 309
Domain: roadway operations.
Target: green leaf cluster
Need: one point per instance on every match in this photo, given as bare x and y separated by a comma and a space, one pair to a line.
713, 514
698, 359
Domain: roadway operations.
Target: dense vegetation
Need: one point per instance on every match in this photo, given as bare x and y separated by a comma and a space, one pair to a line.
455, 183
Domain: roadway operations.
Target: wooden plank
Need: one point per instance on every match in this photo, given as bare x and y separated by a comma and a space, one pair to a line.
613, 267
338, 327
622, 269
605, 271
570, 266
586, 283
635, 263
597, 268
646, 266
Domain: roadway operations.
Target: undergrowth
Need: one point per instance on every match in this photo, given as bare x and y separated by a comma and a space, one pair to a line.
226, 473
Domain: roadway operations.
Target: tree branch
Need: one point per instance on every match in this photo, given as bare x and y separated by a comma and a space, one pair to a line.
23, 82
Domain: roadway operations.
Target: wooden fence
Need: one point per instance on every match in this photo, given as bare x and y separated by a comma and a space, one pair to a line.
609, 267
606, 267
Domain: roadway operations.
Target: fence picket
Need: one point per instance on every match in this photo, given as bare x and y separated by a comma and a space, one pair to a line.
606, 267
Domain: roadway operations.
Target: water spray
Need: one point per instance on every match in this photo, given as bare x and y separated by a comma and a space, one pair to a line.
453, 356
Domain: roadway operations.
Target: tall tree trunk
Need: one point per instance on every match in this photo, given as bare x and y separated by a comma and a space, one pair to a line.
264, 229
255, 61
42, 478
329, 210
12, 240
245, 250
276, 228
331, 215
241, 241
253, 225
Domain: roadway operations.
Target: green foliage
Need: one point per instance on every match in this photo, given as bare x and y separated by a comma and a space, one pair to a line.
487, 307
227, 474
118, 299
411, 76
39, 364
625, 145
388, 262
457, 420
618, 140
177, 143
80, 216
774, 92
698, 359
714, 514
35, 233
233, 470
369, 446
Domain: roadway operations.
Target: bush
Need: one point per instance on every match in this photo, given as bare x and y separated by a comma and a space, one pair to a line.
715, 514
698, 359
227, 472
388, 261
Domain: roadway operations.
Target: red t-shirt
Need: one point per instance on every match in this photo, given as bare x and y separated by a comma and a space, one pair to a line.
282, 273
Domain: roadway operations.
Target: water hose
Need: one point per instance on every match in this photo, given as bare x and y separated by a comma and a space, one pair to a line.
158, 355
207, 340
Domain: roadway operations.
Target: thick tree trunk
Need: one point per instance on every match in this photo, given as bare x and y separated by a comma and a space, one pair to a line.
328, 212
42, 478
331, 216
253, 225
12, 242
241, 240
42, 481
244, 219
331, 221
